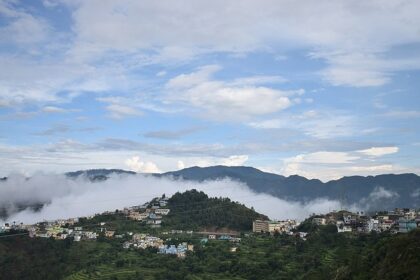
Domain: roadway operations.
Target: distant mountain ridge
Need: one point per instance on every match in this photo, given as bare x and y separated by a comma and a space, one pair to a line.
375, 192
396, 190
98, 174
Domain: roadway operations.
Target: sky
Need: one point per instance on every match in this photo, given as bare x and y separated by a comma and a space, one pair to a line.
323, 89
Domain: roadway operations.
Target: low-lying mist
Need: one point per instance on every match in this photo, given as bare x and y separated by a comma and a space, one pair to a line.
79, 197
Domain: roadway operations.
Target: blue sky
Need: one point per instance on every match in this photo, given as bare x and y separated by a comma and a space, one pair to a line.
321, 89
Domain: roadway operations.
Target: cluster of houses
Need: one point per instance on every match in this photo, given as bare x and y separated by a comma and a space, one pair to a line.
62, 229
6, 227
143, 241
400, 220
59, 229
180, 251
150, 213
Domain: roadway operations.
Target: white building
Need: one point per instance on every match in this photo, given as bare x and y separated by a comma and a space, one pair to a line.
162, 211
373, 225
342, 227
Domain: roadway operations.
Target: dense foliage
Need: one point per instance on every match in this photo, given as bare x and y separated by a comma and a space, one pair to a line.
325, 255
195, 210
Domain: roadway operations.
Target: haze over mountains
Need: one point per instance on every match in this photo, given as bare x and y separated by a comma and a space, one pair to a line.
371, 192
86, 192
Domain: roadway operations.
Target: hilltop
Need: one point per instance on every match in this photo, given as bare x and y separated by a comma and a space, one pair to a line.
190, 210
194, 209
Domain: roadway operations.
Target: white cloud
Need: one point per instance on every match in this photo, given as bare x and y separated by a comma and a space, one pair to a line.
27, 81
373, 168
235, 160
334, 165
319, 124
136, 165
324, 157
380, 193
352, 38
356, 40
21, 27
223, 100
379, 151
363, 69
119, 111
54, 109
120, 107
180, 165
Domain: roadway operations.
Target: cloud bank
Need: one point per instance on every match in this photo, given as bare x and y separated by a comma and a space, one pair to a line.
80, 197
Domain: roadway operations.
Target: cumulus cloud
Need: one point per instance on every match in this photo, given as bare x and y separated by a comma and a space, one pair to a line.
78, 197
136, 165
224, 100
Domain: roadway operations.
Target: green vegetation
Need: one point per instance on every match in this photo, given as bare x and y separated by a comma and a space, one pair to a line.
195, 210
325, 255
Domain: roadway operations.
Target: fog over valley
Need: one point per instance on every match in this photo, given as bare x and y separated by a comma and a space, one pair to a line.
67, 197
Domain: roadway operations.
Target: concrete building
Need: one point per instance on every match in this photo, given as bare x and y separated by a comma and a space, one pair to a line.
275, 226
342, 227
405, 225
260, 226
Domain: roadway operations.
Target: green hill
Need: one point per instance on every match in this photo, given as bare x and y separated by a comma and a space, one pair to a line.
195, 210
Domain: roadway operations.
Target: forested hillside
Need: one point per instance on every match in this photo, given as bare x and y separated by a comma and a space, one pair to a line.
195, 210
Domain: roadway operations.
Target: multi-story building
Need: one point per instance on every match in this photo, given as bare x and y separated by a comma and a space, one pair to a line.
405, 225
260, 226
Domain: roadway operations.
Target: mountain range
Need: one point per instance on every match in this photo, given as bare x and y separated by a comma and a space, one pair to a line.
370, 192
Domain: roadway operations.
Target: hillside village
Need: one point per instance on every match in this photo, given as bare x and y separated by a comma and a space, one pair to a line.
151, 216
400, 220
152, 241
